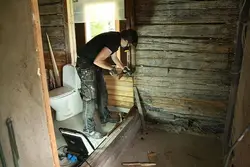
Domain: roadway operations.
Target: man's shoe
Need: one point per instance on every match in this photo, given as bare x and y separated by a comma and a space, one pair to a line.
94, 135
110, 120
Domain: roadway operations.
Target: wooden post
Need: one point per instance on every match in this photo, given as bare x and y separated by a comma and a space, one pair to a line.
55, 69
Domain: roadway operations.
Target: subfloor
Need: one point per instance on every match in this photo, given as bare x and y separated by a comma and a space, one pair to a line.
174, 150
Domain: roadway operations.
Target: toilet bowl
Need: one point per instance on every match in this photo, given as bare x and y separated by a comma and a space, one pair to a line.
66, 100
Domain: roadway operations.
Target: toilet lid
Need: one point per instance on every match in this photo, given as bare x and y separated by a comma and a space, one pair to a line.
60, 92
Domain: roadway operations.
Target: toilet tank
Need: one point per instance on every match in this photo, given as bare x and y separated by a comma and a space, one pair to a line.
70, 77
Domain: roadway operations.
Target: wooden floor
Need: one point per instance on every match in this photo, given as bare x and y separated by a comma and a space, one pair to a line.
174, 150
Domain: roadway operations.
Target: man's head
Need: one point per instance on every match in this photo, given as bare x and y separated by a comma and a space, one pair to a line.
129, 37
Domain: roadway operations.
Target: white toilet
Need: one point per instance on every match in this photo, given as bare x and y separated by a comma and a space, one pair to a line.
66, 100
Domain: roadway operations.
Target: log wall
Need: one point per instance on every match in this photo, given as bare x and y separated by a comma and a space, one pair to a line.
183, 60
54, 22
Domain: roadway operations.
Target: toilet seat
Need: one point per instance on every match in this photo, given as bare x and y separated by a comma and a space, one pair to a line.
60, 92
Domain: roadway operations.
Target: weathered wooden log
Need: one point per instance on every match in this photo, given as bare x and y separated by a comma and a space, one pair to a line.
191, 31
212, 16
51, 9
148, 54
171, 5
188, 64
183, 93
185, 45
52, 20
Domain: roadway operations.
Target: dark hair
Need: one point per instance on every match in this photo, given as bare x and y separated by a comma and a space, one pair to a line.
130, 35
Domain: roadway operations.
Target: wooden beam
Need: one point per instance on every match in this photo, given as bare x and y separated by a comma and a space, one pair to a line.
180, 73
194, 31
138, 164
52, 20
140, 109
49, 2
57, 43
187, 64
185, 45
212, 16
187, 5
51, 9
45, 93
57, 32
189, 107
183, 93
149, 54
113, 146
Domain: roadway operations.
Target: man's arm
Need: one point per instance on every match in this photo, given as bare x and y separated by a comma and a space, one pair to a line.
101, 57
117, 61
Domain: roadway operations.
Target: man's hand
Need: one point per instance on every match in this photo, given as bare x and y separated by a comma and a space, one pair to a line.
113, 72
127, 71
117, 61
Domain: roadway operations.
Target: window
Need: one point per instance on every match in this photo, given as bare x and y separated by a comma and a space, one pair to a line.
99, 18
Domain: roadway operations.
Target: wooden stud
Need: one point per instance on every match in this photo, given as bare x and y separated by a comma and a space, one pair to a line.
38, 40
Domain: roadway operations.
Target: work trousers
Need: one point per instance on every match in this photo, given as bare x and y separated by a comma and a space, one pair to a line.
93, 92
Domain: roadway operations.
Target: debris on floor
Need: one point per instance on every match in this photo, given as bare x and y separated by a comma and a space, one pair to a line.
173, 150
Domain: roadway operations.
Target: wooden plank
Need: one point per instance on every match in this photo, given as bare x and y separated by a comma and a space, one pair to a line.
188, 64
212, 16
120, 88
199, 108
183, 93
168, 5
180, 73
50, 9
110, 149
185, 45
120, 98
180, 83
58, 44
120, 104
138, 164
222, 104
53, 31
55, 69
52, 20
153, 80
139, 106
194, 31
120, 93
111, 78
47, 2
143, 54
118, 83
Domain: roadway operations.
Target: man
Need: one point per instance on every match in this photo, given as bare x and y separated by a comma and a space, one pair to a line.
90, 63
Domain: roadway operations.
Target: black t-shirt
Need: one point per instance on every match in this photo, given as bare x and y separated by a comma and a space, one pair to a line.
91, 49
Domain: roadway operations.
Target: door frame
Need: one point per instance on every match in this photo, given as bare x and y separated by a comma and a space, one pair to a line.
42, 73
